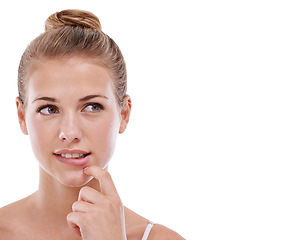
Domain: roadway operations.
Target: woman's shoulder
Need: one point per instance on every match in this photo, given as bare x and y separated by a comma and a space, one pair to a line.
161, 232
7, 217
12, 215
136, 226
15, 209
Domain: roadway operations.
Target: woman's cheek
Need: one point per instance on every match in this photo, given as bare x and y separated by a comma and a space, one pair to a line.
40, 134
106, 134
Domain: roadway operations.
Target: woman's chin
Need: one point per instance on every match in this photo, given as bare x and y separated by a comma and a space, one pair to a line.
74, 179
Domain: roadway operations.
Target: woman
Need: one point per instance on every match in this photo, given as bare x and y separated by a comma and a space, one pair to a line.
73, 103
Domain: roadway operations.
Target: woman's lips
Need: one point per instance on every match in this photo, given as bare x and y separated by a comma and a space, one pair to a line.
73, 157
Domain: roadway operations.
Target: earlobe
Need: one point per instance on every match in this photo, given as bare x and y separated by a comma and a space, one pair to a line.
125, 113
21, 116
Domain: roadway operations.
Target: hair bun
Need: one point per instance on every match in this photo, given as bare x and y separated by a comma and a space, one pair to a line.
72, 18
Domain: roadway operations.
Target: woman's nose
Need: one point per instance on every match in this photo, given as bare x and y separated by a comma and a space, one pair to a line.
70, 129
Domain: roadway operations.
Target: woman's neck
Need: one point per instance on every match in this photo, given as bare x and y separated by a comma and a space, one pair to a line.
54, 199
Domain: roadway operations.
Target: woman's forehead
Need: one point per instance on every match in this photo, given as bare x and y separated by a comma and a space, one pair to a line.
69, 76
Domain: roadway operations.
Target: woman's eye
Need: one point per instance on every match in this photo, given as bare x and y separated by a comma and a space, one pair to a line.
93, 107
47, 110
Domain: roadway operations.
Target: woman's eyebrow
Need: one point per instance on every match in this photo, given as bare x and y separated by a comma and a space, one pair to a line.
88, 97
50, 99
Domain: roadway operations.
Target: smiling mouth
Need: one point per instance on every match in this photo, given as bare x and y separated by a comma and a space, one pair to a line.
73, 155
74, 159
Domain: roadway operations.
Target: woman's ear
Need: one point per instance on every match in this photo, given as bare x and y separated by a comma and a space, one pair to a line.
21, 116
125, 113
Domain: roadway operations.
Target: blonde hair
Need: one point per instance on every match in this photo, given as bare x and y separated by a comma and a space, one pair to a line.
75, 32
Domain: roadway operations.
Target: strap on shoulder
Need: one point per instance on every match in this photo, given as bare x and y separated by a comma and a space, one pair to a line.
147, 230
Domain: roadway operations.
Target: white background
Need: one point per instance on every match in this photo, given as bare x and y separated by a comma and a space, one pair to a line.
203, 151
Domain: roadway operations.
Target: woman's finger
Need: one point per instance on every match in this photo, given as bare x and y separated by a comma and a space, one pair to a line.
107, 186
90, 195
73, 219
82, 206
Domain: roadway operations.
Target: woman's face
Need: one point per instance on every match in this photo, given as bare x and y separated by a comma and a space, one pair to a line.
72, 117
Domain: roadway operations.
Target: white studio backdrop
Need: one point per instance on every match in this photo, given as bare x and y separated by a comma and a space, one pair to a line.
203, 151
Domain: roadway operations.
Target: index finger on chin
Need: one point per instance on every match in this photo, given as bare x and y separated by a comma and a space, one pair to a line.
104, 178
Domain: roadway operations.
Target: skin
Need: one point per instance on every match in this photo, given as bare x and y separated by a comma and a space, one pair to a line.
70, 105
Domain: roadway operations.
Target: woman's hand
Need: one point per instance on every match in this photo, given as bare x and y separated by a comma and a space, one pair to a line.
98, 215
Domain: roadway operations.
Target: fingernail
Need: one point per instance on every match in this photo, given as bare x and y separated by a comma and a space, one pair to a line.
85, 168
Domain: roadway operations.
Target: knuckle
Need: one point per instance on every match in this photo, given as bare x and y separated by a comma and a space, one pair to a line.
74, 206
110, 206
84, 190
113, 204
108, 203
69, 216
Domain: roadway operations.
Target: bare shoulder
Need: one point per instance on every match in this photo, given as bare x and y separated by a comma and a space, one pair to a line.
136, 226
13, 210
12, 217
7, 217
164, 233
